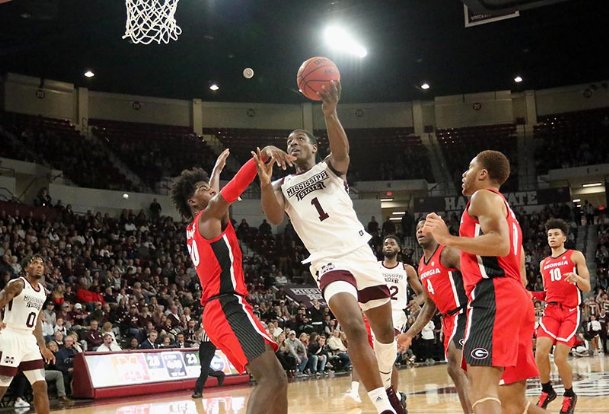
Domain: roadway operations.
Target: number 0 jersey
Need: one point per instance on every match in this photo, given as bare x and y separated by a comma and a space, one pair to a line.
444, 285
22, 311
558, 290
396, 279
321, 211
218, 261
475, 268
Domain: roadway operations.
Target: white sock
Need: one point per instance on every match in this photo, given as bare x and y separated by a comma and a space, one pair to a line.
386, 355
354, 387
380, 400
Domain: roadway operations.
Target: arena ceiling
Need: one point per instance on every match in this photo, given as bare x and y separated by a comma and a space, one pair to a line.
408, 42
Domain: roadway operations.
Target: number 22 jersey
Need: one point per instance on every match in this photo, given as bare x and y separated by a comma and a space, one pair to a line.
321, 211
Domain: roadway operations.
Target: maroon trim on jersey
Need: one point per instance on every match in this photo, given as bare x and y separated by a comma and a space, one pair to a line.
31, 365
30, 283
390, 268
372, 293
426, 262
336, 276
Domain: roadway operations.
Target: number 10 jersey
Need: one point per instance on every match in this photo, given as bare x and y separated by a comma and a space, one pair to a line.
322, 213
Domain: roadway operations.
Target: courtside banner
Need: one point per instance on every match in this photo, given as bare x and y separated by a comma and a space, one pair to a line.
474, 19
303, 294
516, 199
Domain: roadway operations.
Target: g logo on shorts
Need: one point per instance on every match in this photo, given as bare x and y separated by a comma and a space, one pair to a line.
479, 353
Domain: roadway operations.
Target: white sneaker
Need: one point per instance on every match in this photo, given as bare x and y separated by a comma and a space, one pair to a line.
21, 403
353, 398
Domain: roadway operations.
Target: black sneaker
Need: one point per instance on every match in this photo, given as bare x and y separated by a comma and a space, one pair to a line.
403, 402
546, 398
394, 400
221, 378
196, 395
568, 404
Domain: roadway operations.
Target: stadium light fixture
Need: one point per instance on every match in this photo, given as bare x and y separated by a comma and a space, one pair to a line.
518, 79
339, 39
89, 74
425, 86
214, 87
592, 185
386, 199
398, 213
577, 200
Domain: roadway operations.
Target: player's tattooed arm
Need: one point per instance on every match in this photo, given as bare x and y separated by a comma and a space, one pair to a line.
423, 318
47, 354
11, 290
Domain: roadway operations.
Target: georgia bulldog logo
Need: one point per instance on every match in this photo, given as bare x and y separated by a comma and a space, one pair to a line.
479, 353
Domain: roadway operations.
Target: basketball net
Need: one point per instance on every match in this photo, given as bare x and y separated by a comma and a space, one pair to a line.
151, 21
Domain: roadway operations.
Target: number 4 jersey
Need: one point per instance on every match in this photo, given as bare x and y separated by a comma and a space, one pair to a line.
322, 213
22, 311
558, 290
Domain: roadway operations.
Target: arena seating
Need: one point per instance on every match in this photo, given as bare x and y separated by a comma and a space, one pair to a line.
572, 139
460, 145
56, 143
154, 151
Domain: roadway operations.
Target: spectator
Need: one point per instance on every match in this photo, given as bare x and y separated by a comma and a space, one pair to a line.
264, 228
155, 210
388, 227
150, 342
108, 345
65, 357
338, 348
54, 375
93, 336
318, 356
286, 355
373, 226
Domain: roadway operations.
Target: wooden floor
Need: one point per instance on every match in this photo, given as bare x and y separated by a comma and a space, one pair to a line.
429, 391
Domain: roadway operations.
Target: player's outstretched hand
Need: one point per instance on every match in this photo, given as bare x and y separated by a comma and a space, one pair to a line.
265, 171
48, 355
435, 225
404, 342
330, 95
280, 157
571, 277
221, 160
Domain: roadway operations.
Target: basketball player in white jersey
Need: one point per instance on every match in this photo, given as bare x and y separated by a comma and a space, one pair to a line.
317, 201
22, 345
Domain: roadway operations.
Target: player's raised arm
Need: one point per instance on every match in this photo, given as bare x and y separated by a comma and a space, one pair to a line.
582, 277
494, 240
214, 180
337, 138
11, 290
271, 198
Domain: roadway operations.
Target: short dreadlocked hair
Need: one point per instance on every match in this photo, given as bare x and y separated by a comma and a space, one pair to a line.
184, 187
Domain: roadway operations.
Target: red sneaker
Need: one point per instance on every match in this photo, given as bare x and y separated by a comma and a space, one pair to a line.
546, 398
568, 404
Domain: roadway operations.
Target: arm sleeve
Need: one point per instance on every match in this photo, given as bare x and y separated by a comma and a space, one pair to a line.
244, 177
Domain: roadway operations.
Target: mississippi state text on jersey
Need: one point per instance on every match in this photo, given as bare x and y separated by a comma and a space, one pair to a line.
475, 268
397, 282
217, 261
444, 285
558, 290
321, 212
21, 312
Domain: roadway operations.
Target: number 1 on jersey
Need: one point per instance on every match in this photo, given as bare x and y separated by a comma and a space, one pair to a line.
322, 214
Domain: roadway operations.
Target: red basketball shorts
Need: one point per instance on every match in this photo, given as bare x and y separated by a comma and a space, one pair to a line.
500, 326
560, 324
453, 330
234, 329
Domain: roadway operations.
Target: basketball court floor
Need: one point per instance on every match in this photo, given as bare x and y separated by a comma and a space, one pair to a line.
429, 389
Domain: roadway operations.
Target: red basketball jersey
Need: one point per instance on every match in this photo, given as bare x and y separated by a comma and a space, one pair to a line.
557, 288
217, 261
444, 285
475, 268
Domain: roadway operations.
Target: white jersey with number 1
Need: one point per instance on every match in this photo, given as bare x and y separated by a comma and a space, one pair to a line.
322, 213
396, 279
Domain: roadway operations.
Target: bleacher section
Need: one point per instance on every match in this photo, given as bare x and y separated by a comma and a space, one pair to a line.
154, 151
572, 139
57, 144
460, 145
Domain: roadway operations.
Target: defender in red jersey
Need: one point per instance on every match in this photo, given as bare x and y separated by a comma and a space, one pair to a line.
501, 319
443, 291
565, 277
214, 249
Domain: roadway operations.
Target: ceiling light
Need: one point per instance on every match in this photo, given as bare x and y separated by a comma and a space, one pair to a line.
338, 39
577, 200
386, 199
518, 79
395, 218
592, 185
89, 74
399, 213
425, 86
214, 87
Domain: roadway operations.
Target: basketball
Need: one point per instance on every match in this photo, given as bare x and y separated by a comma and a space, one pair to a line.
313, 74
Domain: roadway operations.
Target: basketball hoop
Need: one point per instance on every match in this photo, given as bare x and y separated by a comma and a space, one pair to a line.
151, 21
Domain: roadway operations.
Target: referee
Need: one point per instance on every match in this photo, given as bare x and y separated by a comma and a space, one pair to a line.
206, 353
